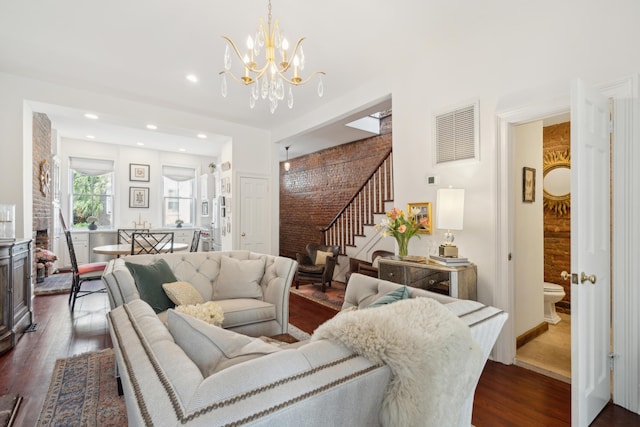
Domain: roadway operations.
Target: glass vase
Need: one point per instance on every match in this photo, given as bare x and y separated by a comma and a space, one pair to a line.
403, 247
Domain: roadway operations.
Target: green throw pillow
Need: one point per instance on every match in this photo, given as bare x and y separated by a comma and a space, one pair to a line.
393, 296
149, 279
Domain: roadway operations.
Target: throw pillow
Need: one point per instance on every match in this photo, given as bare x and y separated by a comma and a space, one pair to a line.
239, 279
393, 296
182, 293
149, 279
210, 347
321, 257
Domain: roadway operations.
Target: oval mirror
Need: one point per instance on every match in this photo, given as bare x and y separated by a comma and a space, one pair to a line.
557, 181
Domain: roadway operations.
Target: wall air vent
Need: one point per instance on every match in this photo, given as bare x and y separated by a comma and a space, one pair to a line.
456, 134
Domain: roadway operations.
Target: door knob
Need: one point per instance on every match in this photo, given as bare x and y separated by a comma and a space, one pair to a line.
584, 278
565, 275
243, 234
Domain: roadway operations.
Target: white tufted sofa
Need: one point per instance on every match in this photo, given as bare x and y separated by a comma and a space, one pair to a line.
266, 316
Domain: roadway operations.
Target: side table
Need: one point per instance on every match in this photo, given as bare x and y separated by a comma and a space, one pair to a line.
458, 282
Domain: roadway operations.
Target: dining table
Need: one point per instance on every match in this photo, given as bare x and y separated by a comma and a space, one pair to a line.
125, 248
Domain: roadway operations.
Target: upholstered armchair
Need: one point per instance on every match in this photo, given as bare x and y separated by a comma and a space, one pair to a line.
317, 265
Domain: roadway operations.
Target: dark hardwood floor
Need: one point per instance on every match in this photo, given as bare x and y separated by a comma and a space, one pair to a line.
506, 395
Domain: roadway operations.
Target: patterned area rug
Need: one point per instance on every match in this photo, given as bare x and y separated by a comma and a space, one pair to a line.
59, 283
333, 296
84, 392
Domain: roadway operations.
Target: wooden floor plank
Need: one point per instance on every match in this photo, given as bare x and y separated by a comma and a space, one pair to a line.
506, 395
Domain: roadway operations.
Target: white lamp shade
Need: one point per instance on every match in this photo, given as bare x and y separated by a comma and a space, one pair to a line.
450, 208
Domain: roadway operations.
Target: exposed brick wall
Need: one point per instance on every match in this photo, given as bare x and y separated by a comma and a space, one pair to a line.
557, 228
319, 185
42, 219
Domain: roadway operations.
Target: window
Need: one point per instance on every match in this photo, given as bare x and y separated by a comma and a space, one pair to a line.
178, 185
91, 191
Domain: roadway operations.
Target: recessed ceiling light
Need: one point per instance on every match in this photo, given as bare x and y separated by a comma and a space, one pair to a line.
90, 136
192, 78
152, 127
182, 149
91, 116
202, 136
140, 143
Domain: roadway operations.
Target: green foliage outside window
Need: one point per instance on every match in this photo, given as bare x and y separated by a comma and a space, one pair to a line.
91, 197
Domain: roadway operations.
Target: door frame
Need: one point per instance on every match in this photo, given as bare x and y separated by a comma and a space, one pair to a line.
625, 270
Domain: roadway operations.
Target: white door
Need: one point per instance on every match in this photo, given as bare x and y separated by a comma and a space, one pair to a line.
590, 251
255, 215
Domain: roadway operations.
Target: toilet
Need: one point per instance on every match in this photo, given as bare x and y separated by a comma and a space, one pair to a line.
552, 294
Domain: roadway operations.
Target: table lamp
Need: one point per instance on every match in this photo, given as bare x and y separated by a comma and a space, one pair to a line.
449, 216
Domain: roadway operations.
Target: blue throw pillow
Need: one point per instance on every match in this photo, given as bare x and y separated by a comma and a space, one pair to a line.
149, 279
393, 296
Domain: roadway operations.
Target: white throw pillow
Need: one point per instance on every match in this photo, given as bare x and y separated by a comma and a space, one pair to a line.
321, 257
238, 279
182, 293
212, 348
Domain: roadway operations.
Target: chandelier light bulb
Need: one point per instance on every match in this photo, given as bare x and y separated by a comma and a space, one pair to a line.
258, 71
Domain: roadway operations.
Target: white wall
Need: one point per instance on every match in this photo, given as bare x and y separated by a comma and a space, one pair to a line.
122, 156
505, 57
528, 253
18, 93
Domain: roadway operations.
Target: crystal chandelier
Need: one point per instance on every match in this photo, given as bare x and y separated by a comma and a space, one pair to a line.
268, 79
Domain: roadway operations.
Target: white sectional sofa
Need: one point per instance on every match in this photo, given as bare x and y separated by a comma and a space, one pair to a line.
168, 380
261, 310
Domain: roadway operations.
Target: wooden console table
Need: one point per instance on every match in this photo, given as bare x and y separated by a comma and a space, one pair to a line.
458, 282
15, 287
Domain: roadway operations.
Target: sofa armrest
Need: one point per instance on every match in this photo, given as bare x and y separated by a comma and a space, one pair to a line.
119, 282
278, 277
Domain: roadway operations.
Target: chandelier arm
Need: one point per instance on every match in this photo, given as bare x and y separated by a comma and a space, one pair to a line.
235, 48
293, 54
303, 81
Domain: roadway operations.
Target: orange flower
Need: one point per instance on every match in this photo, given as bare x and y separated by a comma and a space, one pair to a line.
402, 228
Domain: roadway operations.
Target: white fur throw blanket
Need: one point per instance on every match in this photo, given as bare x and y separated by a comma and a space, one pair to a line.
434, 361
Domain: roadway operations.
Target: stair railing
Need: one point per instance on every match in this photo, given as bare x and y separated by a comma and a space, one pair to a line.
360, 209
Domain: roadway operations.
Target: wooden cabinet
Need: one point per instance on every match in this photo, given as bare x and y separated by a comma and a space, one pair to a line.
81, 247
15, 291
458, 282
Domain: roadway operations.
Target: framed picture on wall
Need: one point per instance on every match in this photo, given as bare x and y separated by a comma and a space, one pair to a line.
138, 197
138, 172
425, 212
205, 208
528, 185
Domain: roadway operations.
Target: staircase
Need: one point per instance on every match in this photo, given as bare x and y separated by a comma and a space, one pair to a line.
353, 226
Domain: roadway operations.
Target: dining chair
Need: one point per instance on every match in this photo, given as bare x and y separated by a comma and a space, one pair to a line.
82, 273
151, 243
124, 234
195, 241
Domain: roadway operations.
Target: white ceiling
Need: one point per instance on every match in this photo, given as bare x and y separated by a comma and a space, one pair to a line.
142, 50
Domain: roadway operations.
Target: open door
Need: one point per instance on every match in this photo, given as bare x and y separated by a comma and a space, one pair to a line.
590, 253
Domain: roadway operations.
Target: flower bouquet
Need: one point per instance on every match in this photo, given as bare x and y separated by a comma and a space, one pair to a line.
402, 227
45, 258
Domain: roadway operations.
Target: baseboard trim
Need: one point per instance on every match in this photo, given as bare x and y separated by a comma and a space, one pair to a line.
531, 334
